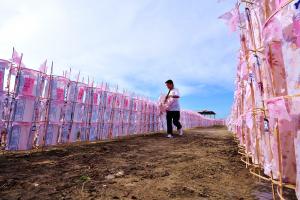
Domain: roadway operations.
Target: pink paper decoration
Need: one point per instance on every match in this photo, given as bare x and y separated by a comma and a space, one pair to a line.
273, 101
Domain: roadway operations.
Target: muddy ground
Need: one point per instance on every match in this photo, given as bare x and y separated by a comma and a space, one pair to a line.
203, 164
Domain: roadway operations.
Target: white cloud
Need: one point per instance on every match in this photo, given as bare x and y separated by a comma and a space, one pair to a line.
135, 43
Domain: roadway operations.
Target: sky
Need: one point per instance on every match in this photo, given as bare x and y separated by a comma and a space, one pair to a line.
135, 44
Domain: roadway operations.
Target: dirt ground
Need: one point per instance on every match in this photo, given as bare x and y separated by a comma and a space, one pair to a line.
203, 164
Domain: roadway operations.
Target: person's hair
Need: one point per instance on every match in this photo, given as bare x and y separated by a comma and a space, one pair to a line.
169, 82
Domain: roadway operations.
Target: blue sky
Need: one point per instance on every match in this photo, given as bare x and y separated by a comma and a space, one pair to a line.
137, 44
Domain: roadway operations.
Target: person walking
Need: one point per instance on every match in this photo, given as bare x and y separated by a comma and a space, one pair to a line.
173, 109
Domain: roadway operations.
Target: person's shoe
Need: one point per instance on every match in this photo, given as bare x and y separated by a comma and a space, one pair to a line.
169, 136
180, 132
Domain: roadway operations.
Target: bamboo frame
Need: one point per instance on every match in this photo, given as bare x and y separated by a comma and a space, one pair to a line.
64, 108
276, 11
244, 155
49, 99
99, 111
90, 109
73, 107
36, 114
112, 113
12, 107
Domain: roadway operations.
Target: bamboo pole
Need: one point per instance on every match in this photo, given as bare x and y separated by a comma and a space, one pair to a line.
12, 110
112, 113
49, 100
105, 108
73, 106
279, 151
122, 111
90, 110
131, 106
36, 114
65, 106
7, 104
99, 115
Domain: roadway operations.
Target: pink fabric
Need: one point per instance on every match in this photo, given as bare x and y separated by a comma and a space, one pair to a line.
292, 62
80, 94
58, 87
28, 82
296, 26
28, 85
277, 68
267, 152
286, 128
279, 3
43, 67
249, 120
50, 137
273, 31
24, 109
277, 109
75, 132
19, 137
92, 131
16, 58
95, 98
79, 112
233, 18
95, 114
3, 66
55, 111
280, 72
1, 79
244, 71
60, 94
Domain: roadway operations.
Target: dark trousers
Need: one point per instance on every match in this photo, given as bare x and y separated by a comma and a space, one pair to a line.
175, 117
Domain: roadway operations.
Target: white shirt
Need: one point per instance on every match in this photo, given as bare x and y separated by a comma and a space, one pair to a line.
172, 103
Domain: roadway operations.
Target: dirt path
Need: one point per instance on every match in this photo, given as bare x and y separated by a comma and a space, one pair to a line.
201, 165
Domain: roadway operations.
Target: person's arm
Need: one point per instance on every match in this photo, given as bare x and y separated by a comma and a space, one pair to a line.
172, 97
175, 96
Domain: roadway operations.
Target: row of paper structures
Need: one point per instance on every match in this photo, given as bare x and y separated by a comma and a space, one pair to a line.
37, 110
265, 115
